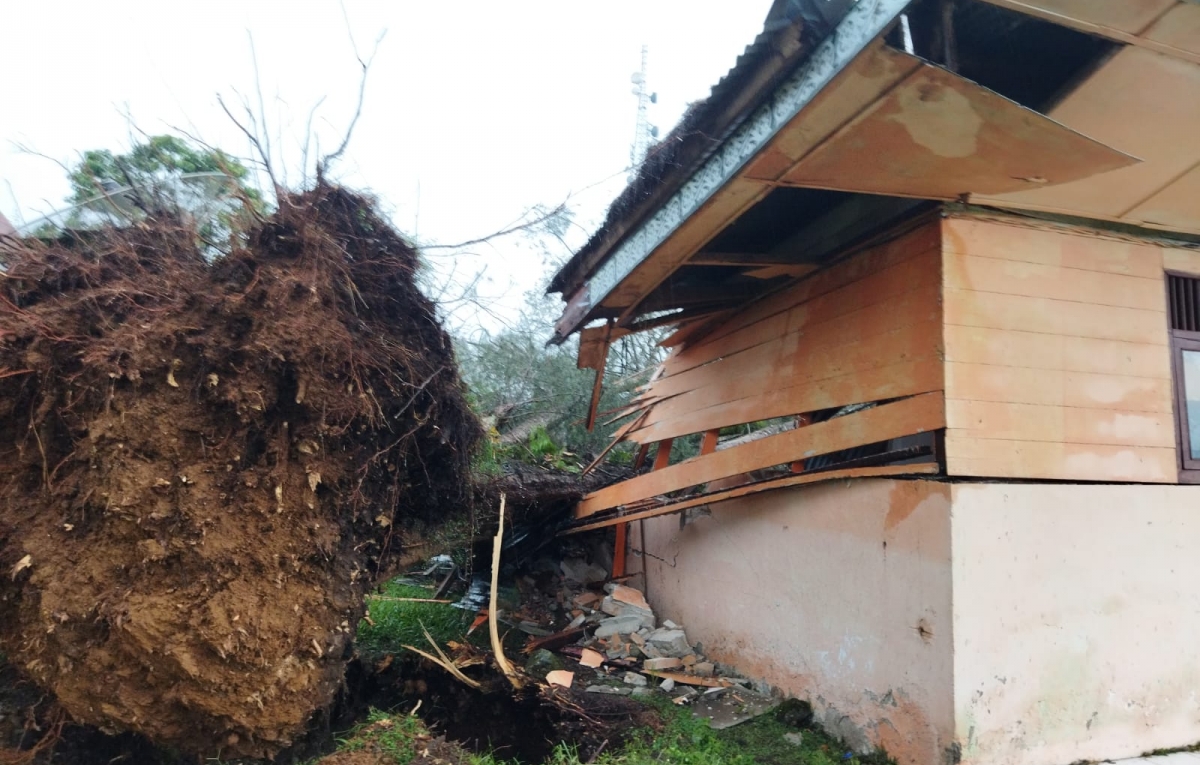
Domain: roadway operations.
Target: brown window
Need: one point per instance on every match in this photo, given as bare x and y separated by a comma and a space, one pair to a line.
1184, 298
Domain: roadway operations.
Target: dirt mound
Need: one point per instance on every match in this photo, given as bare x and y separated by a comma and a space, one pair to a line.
204, 464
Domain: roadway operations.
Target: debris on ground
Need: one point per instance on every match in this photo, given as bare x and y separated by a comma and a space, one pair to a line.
205, 463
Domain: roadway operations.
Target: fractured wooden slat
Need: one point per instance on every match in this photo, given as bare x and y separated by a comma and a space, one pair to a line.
900, 418
905, 378
885, 471
854, 267
794, 359
879, 291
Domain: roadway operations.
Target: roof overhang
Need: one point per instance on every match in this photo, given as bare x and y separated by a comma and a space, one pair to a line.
874, 125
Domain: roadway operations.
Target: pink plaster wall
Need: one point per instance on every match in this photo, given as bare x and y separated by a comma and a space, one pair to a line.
1076, 621
838, 593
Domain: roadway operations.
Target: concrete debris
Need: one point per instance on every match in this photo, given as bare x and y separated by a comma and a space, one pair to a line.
614, 607
633, 678
670, 642
612, 690
618, 625
667, 662
704, 669
796, 738
726, 707
623, 594
667, 685
580, 571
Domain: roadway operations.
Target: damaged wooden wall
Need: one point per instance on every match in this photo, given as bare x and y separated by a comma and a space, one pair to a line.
867, 329
1057, 359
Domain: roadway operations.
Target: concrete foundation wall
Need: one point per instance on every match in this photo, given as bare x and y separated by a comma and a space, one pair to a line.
1076, 621
838, 593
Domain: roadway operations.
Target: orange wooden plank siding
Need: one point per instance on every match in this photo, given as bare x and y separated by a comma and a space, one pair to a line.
1057, 365
865, 329
917, 414
883, 471
868, 328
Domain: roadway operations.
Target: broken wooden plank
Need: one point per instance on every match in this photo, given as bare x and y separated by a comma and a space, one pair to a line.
913, 282
679, 417
885, 471
686, 679
900, 418
795, 360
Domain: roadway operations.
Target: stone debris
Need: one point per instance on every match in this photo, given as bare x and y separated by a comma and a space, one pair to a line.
618, 625
627, 654
796, 738
670, 642
580, 571
612, 690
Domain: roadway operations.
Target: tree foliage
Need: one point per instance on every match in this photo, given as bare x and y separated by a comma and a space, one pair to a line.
163, 175
530, 391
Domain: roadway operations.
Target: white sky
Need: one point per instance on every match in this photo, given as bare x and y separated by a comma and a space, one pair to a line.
474, 111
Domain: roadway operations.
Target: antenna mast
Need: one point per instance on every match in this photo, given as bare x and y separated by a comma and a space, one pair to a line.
644, 132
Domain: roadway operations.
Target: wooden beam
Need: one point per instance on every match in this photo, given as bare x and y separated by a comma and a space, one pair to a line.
619, 550
662, 457
906, 417
886, 471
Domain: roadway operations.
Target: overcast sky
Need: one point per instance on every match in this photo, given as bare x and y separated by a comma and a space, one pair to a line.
474, 111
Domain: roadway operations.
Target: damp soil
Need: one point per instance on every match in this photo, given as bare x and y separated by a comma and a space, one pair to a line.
521, 728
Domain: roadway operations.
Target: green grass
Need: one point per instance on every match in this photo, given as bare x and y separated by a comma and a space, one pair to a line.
683, 740
399, 623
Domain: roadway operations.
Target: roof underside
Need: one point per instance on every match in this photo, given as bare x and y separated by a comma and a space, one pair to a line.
1078, 107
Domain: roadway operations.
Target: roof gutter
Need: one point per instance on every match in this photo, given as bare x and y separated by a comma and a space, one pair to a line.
863, 22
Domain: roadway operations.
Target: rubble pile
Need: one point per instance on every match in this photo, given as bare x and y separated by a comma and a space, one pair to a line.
206, 461
622, 648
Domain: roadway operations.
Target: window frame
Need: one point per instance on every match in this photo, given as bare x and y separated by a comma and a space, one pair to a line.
1181, 340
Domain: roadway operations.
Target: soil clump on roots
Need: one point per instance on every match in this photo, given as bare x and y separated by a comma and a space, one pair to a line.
205, 463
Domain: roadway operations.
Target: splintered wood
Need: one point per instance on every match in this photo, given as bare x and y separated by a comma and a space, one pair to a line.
867, 330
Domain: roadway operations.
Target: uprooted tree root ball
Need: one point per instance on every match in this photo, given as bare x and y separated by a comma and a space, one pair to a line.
204, 464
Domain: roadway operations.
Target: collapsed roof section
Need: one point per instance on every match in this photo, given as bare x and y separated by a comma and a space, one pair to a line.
843, 117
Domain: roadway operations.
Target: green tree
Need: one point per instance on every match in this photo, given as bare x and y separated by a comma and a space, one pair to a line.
530, 391
163, 175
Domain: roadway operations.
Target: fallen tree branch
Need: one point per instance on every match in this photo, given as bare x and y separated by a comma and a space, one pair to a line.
444, 661
494, 623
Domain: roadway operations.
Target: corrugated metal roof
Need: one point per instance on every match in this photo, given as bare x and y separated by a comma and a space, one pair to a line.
791, 30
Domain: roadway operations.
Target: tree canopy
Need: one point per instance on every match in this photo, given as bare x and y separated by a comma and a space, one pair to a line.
163, 174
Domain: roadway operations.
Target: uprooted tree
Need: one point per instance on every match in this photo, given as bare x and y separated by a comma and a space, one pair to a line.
204, 463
